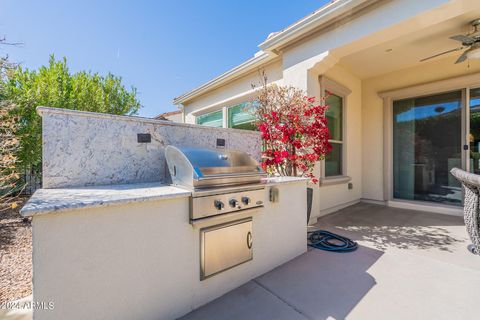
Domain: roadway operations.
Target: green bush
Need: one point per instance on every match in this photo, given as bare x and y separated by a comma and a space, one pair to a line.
54, 86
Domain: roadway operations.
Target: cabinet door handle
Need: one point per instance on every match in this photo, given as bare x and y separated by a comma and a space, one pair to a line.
249, 240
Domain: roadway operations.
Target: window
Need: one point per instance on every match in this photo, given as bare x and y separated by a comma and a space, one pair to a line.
334, 114
241, 116
211, 119
333, 167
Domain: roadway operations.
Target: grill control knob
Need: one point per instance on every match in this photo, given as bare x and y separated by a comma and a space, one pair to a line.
246, 200
218, 204
233, 203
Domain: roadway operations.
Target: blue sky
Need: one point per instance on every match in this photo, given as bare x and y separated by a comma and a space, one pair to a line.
163, 48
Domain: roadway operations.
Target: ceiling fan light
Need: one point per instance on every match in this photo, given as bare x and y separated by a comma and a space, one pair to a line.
474, 53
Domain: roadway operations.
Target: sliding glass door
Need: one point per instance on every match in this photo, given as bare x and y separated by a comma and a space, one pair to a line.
427, 143
474, 136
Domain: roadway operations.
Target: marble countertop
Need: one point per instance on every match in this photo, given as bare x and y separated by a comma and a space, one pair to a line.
65, 199
59, 200
282, 180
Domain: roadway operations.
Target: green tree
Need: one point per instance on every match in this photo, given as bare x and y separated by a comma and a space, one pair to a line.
54, 86
10, 183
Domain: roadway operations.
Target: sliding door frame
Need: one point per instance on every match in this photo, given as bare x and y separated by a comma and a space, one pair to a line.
463, 83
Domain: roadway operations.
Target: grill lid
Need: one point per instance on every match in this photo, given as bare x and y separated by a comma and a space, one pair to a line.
203, 168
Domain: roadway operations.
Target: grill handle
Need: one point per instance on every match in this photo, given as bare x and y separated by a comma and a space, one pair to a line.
230, 175
249, 240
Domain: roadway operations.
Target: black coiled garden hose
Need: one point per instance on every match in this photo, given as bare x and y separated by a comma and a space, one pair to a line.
325, 240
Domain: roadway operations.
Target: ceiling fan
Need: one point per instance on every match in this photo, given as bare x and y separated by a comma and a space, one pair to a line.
470, 42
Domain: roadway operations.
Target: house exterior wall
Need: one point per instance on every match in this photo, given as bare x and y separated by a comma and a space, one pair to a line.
326, 198
332, 196
373, 113
302, 62
177, 117
319, 54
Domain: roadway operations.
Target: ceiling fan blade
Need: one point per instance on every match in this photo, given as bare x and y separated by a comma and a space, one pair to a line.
462, 58
463, 38
439, 54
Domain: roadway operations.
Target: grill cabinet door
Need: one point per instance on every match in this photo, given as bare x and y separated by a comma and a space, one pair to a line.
225, 246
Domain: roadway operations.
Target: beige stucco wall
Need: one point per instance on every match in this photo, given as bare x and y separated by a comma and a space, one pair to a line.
372, 113
234, 92
335, 195
328, 198
141, 261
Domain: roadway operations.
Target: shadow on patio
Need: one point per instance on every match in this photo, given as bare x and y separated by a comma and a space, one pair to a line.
384, 227
294, 290
340, 279
407, 266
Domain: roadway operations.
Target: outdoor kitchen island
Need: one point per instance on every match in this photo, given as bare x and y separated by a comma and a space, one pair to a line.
130, 250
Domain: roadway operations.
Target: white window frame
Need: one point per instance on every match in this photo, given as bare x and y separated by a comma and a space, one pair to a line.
211, 111
224, 110
343, 92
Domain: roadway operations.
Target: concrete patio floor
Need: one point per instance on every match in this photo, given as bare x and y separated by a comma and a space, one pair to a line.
410, 265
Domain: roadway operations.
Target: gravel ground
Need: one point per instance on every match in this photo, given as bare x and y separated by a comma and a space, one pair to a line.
15, 255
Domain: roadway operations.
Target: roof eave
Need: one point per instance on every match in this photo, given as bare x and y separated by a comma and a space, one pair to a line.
249, 65
325, 15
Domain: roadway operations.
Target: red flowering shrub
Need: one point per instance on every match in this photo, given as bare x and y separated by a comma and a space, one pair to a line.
294, 131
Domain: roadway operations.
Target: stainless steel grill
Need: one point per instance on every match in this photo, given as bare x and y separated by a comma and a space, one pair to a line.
221, 181
223, 184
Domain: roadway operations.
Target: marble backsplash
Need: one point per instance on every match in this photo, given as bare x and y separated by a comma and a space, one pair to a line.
84, 148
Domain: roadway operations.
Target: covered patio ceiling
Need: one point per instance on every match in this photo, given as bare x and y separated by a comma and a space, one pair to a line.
407, 50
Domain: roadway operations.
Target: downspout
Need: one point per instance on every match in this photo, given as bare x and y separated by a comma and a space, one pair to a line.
182, 107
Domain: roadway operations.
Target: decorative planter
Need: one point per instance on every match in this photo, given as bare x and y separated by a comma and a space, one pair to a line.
309, 203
